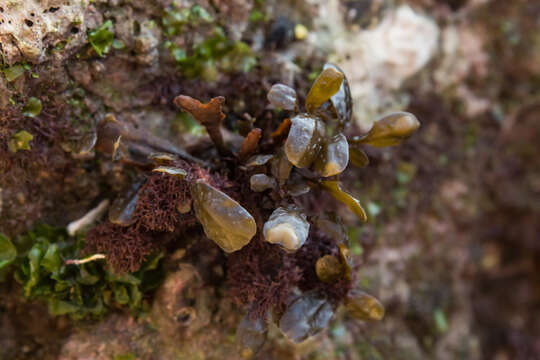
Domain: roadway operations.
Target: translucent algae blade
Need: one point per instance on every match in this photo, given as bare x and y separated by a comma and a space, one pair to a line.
342, 100
363, 306
329, 269
334, 156
283, 97
122, 209
391, 130
250, 335
324, 87
224, 221
357, 156
259, 160
261, 182
305, 316
281, 166
304, 141
288, 228
171, 170
352, 203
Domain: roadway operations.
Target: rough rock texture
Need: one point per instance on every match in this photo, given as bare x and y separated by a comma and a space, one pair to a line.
29, 30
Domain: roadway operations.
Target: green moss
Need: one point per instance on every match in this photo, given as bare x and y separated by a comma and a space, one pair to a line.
8, 252
82, 290
405, 172
32, 107
174, 19
185, 123
439, 319
128, 356
102, 38
214, 53
20, 141
256, 15
13, 72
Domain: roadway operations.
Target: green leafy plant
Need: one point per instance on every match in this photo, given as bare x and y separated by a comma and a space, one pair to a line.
79, 288
20, 141
32, 107
102, 38
215, 53
8, 252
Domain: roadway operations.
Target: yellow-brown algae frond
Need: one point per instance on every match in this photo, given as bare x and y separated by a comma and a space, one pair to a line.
352, 203
391, 130
326, 85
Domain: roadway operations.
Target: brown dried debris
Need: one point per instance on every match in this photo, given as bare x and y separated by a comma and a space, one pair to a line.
249, 145
209, 115
282, 131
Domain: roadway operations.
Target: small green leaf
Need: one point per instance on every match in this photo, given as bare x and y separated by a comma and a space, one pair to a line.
51, 260
123, 278
121, 295
152, 262
60, 307
102, 38
32, 108
135, 297
198, 12
128, 356
334, 188
20, 141
8, 252
118, 44
34, 257
440, 320
86, 278
256, 15
13, 72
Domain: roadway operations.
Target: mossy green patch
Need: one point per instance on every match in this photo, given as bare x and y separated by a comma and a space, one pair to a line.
8, 252
32, 107
13, 72
215, 52
20, 141
102, 38
77, 290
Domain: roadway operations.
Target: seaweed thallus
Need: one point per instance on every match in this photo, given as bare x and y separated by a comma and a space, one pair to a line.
269, 200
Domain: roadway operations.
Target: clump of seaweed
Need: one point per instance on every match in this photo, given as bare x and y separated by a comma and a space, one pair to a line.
259, 200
